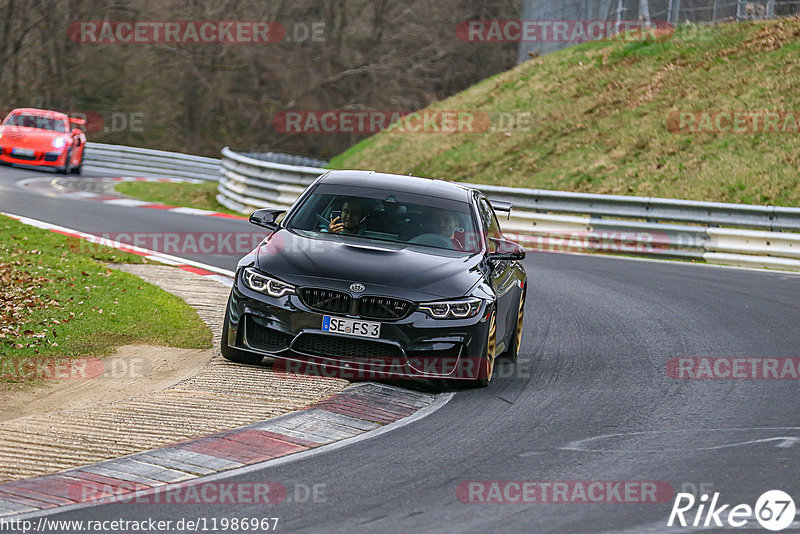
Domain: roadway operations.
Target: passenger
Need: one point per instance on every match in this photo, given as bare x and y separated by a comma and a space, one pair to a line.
446, 223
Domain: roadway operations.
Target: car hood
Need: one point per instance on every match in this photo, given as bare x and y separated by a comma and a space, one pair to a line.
392, 269
22, 137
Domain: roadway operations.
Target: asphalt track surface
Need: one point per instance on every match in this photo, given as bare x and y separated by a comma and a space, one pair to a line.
599, 332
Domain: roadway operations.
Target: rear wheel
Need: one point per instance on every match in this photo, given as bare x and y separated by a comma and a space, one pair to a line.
232, 354
512, 353
486, 370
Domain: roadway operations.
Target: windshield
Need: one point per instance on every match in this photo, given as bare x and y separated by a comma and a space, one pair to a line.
388, 216
36, 121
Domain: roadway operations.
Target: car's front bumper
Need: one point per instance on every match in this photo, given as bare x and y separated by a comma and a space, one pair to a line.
40, 158
417, 346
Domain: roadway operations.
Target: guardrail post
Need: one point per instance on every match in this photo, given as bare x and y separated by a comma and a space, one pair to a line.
770, 9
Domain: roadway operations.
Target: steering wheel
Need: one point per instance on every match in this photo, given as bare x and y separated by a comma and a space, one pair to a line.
432, 240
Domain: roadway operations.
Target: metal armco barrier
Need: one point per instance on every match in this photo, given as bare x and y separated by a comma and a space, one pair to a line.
118, 160
652, 209
546, 221
285, 159
557, 221
247, 184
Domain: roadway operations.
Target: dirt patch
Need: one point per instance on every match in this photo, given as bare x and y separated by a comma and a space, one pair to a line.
132, 371
645, 93
774, 36
769, 37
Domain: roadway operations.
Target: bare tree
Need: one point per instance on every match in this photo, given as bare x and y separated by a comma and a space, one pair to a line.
198, 97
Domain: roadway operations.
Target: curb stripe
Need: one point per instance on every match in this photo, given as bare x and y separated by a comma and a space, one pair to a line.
25, 501
195, 270
292, 433
114, 483
154, 206
47, 185
223, 276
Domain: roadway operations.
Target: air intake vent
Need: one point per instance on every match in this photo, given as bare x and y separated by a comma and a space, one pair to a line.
326, 300
342, 348
383, 308
266, 339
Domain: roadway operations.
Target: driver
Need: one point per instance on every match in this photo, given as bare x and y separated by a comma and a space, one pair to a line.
350, 220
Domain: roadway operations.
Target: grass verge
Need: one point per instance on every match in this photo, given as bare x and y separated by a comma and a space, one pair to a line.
59, 299
201, 196
600, 118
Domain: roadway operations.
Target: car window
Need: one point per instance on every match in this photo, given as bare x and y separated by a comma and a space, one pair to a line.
384, 215
489, 220
30, 120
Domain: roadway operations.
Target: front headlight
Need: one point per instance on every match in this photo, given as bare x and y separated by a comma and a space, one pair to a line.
59, 142
263, 284
452, 309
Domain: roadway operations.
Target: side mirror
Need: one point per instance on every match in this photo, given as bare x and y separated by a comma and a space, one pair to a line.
266, 218
505, 250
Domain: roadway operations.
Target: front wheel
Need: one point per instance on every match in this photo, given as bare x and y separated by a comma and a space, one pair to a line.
67, 168
232, 354
486, 369
79, 168
512, 353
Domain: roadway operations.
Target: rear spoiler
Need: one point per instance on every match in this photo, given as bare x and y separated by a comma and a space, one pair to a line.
502, 206
75, 120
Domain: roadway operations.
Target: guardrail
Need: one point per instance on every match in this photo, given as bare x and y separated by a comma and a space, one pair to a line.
247, 184
285, 159
130, 161
556, 221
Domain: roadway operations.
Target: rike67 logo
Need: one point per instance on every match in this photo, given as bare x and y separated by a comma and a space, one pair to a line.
774, 510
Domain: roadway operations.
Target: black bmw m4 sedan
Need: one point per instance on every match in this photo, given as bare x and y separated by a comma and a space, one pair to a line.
379, 276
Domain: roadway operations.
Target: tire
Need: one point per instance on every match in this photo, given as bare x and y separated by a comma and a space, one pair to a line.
67, 168
232, 354
512, 352
486, 371
79, 169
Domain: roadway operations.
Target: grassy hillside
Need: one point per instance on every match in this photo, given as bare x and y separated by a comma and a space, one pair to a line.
602, 115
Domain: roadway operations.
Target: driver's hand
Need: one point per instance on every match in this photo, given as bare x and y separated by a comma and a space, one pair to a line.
336, 226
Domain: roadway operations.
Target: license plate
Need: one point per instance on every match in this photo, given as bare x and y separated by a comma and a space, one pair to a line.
351, 327
22, 152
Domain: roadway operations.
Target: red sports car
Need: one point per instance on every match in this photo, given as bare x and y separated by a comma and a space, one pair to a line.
41, 138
